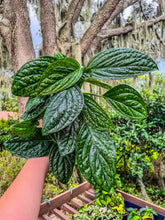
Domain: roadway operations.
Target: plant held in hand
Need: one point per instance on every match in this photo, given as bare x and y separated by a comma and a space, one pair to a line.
75, 127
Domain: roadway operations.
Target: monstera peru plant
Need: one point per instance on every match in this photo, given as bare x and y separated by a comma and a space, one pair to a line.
75, 127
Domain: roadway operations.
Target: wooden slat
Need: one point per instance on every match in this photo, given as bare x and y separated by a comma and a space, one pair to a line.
68, 208
84, 199
76, 203
91, 191
63, 198
45, 217
142, 203
89, 195
59, 214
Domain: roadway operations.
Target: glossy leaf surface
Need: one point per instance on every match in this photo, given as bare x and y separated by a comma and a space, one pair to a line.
66, 138
56, 77
95, 115
126, 101
63, 109
35, 107
61, 167
26, 79
25, 128
120, 63
96, 157
64, 83
35, 146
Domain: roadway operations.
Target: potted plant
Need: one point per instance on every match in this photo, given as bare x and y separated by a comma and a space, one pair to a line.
75, 127
146, 213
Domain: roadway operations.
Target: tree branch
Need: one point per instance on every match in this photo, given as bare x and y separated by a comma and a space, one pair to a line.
66, 29
5, 23
77, 12
129, 28
122, 5
102, 16
48, 27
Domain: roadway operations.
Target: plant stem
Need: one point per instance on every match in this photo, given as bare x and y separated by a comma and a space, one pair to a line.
89, 93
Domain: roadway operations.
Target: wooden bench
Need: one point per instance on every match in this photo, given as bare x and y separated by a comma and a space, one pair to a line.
66, 204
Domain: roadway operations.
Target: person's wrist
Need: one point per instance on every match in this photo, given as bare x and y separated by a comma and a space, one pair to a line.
41, 163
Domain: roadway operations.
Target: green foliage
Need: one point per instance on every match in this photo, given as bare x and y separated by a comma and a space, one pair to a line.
96, 212
96, 157
95, 115
62, 167
141, 214
59, 76
126, 101
5, 131
34, 146
112, 199
27, 77
35, 107
62, 110
8, 164
120, 63
8, 103
25, 128
55, 83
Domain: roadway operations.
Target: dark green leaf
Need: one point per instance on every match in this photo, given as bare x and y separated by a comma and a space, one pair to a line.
35, 146
95, 115
62, 84
35, 107
59, 76
96, 157
98, 83
32, 103
126, 101
66, 138
59, 55
63, 109
25, 128
61, 167
119, 63
26, 79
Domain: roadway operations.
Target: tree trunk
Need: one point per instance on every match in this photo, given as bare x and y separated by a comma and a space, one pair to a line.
157, 169
151, 81
48, 28
143, 190
17, 37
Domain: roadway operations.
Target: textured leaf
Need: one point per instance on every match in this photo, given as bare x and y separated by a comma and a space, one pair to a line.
36, 107
32, 103
61, 167
57, 72
59, 55
66, 138
63, 109
96, 157
95, 115
35, 146
98, 83
25, 128
126, 101
120, 63
26, 79
65, 83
